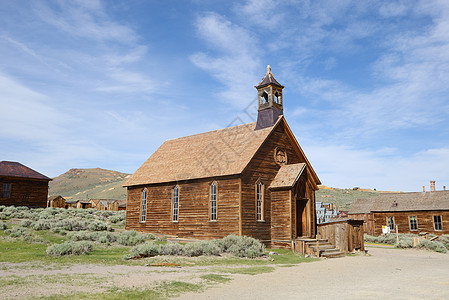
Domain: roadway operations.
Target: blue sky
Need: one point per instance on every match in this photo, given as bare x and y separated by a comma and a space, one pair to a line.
104, 84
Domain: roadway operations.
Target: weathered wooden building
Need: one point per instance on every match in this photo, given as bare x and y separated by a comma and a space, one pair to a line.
411, 212
22, 186
56, 201
107, 204
252, 179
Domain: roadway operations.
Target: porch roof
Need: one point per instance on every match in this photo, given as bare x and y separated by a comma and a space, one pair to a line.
287, 176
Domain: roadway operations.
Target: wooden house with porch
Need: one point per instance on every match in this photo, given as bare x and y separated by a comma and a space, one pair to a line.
22, 186
253, 179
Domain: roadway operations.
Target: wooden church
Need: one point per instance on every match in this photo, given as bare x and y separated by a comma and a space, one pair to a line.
252, 179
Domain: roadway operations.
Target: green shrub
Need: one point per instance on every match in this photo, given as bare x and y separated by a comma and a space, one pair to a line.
70, 248
193, 249
405, 243
118, 217
82, 236
3, 226
41, 224
16, 232
130, 238
172, 249
432, 245
146, 249
3, 216
106, 237
2, 207
241, 246
26, 223
444, 239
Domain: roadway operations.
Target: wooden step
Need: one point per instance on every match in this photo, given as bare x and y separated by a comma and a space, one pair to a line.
332, 254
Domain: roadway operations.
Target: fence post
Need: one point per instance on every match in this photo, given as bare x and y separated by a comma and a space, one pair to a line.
317, 248
397, 235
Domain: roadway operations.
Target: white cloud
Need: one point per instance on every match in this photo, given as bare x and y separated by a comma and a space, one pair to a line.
236, 61
85, 19
27, 114
264, 13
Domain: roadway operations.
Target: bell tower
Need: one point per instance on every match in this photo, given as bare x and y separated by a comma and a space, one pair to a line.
269, 100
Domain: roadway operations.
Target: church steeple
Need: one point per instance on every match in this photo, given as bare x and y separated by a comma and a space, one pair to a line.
269, 100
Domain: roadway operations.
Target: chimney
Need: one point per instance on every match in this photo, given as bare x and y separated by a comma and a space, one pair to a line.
432, 185
423, 188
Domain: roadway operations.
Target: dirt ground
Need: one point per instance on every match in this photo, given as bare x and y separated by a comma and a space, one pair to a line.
392, 273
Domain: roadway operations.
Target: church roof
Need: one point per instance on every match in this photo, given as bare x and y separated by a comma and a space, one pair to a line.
287, 175
15, 169
268, 79
215, 153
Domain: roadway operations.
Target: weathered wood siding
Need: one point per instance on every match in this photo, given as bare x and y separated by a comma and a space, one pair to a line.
424, 220
58, 202
345, 235
368, 224
264, 168
281, 221
194, 211
25, 192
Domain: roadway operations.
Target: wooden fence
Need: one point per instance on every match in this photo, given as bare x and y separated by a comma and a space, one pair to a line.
344, 234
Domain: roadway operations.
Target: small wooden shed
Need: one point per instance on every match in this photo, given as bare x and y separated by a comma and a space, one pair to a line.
344, 234
56, 201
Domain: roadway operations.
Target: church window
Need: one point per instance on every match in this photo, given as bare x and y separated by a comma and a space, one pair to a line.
259, 201
213, 202
175, 204
143, 206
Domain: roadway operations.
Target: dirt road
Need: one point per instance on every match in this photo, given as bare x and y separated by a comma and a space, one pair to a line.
386, 273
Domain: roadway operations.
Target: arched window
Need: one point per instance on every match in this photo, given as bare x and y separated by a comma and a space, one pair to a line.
175, 204
143, 206
213, 201
259, 201
264, 97
278, 98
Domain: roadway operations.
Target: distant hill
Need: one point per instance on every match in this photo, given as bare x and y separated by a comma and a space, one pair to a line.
89, 184
344, 198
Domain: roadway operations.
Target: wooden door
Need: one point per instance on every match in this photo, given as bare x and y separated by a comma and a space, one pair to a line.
301, 220
357, 237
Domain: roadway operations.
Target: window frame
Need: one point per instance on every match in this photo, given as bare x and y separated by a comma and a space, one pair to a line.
8, 190
393, 223
415, 223
143, 206
213, 202
175, 205
260, 201
440, 223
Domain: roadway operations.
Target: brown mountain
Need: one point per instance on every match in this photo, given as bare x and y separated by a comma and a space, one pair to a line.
92, 183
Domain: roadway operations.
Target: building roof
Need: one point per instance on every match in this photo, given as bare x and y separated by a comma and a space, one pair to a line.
420, 201
55, 197
215, 153
268, 79
15, 169
287, 175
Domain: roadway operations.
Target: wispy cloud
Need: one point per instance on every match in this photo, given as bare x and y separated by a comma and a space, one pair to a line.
85, 19
234, 61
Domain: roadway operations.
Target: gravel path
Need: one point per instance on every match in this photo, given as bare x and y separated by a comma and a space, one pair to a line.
392, 273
